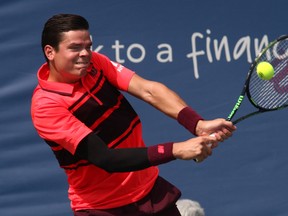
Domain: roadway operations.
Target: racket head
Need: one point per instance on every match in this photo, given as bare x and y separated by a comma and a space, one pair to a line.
268, 95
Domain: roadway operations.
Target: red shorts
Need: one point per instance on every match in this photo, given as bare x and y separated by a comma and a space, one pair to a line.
159, 202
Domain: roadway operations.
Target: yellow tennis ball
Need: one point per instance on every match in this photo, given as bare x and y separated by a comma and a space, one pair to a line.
265, 70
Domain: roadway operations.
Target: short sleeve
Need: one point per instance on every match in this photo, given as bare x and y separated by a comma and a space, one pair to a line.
55, 123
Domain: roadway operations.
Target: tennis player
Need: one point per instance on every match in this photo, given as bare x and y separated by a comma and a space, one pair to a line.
95, 134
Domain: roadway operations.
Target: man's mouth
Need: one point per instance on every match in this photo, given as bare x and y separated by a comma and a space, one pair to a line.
83, 63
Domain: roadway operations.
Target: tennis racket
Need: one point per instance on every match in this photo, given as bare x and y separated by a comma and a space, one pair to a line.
266, 95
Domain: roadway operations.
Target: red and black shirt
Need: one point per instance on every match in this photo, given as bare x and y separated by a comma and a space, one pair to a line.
63, 114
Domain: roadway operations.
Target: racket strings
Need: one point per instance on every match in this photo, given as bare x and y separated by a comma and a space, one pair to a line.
273, 93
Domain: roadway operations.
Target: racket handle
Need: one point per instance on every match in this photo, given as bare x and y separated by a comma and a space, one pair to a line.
209, 145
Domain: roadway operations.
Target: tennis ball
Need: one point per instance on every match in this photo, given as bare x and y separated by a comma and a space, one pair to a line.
265, 70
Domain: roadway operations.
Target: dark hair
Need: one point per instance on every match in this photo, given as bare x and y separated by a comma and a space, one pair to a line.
57, 24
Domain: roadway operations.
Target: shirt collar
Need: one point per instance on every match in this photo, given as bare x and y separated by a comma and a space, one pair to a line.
57, 87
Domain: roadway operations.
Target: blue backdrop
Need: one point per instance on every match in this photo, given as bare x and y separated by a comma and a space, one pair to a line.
174, 42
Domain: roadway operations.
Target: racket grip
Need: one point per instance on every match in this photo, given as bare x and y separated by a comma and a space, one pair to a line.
209, 145
212, 135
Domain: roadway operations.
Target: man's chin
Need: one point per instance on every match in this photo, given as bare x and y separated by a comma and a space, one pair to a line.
82, 71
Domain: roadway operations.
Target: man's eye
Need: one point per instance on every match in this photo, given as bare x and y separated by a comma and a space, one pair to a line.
76, 48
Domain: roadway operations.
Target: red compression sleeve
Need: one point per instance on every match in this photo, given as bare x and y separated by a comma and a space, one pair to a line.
189, 118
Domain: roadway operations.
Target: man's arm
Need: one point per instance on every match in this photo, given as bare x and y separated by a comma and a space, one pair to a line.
93, 149
170, 103
156, 94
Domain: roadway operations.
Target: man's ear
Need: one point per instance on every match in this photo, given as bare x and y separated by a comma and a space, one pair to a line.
49, 52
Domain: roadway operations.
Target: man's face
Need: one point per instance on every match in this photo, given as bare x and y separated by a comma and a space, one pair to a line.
72, 59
